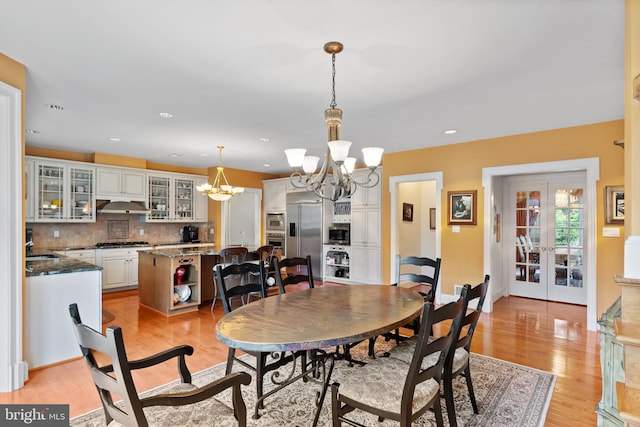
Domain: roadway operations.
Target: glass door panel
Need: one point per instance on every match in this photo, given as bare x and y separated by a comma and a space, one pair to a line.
50, 192
159, 188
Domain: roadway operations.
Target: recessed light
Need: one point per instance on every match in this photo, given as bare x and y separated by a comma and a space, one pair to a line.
114, 139
175, 155
265, 139
204, 154
165, 115
267, 165
55, 107
450, 131
33, 131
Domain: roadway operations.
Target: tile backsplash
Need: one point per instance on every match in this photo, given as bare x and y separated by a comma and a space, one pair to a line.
73, 235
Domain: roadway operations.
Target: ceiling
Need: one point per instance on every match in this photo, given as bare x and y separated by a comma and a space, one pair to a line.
236, 73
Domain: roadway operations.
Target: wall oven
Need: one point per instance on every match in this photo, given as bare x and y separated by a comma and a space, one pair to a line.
276, 240
275, 222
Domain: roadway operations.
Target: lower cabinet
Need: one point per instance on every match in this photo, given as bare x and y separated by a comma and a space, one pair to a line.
366, 264
119, 268
337, 264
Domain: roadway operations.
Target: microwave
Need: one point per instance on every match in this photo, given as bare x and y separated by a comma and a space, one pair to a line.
340, 234
275, 222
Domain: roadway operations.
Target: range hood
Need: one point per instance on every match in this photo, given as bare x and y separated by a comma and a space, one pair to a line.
122, 207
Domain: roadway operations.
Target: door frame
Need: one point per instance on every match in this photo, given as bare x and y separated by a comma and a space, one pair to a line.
394, 182
256, 193
592, 168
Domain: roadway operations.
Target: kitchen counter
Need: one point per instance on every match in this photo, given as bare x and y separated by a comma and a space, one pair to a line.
61, 265
180, 252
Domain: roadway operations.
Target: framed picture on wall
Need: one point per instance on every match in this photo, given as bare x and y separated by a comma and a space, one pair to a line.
461, 207
407, 212
614, 204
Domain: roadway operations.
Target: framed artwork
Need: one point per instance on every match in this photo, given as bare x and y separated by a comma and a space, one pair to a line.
614, 204
432, 218
461, 207
407, 212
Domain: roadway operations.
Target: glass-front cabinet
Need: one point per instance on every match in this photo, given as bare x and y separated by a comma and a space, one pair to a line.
64, 193
159, 196
171, 198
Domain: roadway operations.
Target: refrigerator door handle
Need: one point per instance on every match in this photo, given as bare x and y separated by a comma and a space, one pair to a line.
292, 229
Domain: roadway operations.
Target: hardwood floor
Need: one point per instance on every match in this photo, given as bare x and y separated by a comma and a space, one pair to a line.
543, 335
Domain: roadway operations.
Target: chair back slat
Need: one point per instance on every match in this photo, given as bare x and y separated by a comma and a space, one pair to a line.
297, 270
253, 274
420, 278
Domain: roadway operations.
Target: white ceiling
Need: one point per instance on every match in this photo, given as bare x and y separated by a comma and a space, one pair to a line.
233, 72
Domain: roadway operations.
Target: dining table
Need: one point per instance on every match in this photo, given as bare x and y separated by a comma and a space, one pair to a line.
318, 320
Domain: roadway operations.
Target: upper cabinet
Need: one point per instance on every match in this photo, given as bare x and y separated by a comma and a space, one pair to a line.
29, 190
62, 192
274, 194
173, 197
121, 183
201, 201
366, 198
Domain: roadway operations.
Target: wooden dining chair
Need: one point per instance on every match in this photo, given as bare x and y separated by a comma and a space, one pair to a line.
237, 254
393, 389
114, 381
457, 362
297, 270
265, 362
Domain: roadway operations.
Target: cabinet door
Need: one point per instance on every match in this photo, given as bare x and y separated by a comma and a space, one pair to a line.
81, 196
109, 182
159, 198
134, 184
183, 192
358, 262
201, 203
275, 195
374, 267
29, 191
132, 261
372, 234
114, 271
114, 182
366, 197
50, 192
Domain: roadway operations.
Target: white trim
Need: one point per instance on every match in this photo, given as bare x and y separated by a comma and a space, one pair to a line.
13, 369
393, 188
592, 168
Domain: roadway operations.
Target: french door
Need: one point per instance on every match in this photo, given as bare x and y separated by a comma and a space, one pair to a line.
547, 237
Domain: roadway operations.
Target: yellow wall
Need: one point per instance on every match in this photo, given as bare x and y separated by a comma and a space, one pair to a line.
462, 164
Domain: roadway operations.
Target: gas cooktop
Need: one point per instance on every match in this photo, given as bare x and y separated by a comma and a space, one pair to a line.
120, 244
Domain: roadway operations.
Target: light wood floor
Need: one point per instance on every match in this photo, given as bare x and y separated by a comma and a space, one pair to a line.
543, 335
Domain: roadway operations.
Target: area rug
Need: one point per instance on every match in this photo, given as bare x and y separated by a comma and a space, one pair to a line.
507, 395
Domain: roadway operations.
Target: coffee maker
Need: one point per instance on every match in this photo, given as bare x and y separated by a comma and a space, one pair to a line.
190, 234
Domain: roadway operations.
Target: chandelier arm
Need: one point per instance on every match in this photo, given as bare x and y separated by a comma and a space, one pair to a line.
372, 180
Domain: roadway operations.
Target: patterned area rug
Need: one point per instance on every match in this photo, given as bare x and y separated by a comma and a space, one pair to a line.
507, 394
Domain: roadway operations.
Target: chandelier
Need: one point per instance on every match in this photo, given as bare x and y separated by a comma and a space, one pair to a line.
334, 180
220, 190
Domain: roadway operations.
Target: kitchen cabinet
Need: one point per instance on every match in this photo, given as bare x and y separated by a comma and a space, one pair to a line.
172, 198
274, 195
29, 188
64, 192
366, 235
86, 255
119, 267
120, 183
366, 198
162, 289
201, 202
365, 227
365, 264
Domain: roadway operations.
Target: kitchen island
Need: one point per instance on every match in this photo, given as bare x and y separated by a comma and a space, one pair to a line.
171, 280
51, 285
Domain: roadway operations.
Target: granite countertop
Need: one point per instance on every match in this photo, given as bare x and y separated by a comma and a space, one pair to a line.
178, 252
150, 245
60, 265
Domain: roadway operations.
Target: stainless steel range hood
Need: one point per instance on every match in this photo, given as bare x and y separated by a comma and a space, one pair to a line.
122, 207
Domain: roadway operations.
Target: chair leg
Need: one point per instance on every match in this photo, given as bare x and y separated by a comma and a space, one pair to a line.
372, 347
447, 381
472, 396
215, 294
260, 363
335, 406
438, 411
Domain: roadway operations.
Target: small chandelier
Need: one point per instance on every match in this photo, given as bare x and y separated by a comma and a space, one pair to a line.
220, 190
334, 180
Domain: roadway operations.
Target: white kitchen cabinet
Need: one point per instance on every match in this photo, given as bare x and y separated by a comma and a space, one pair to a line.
119, 267
63, 192
337, 263
86, 255
121, 184
201, 202
274, 194
366, 198
29, 188
365, 264
172, 197
365, 227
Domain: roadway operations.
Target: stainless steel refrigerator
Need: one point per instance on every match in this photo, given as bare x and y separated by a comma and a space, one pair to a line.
304, 228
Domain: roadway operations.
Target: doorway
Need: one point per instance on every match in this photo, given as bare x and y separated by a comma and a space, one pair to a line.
545, 217
241, 219
497, 250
